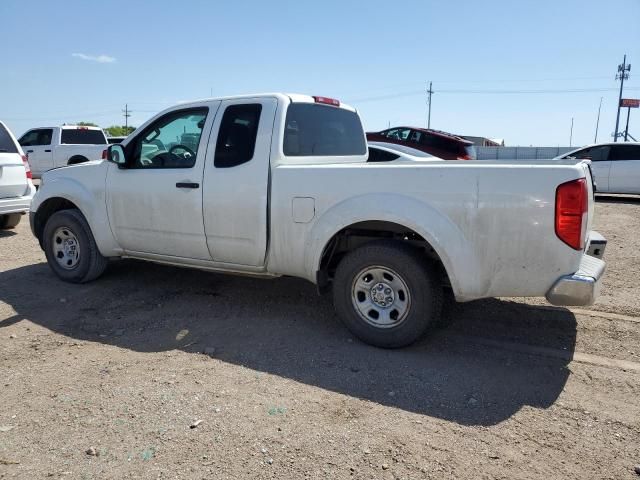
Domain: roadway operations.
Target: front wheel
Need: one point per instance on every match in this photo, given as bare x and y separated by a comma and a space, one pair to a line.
387, 294
70, 248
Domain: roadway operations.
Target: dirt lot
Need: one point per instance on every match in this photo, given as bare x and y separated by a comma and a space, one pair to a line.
508, 390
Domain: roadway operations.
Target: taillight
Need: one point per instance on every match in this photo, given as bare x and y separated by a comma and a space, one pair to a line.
27, 168
327, 101
572, 205
465, 157
104, 154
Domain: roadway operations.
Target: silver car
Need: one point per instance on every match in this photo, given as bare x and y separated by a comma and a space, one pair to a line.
615, 166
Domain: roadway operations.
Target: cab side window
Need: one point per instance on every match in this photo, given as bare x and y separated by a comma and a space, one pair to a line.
415, 136
40, 136
625, 152
595, 154
170, 142
237, 136
398, 133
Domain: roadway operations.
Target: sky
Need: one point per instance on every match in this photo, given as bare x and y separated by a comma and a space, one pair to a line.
516, 70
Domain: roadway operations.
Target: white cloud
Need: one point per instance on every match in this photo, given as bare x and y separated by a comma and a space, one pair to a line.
94, 58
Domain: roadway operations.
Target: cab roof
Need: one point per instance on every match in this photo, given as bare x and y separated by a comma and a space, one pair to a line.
291, 97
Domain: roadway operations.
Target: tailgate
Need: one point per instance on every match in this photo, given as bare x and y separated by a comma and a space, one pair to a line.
13, 177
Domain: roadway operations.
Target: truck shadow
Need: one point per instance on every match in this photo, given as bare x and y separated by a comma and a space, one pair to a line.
7, 233
460, 373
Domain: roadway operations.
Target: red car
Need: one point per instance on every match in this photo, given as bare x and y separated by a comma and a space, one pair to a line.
440, 144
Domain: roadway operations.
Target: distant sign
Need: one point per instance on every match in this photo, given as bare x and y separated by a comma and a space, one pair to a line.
630, 102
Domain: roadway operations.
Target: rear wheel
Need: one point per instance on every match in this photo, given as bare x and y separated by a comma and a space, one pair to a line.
387, 294
70, 248
10, 221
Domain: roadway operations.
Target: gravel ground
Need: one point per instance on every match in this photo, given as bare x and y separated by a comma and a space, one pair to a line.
106, 380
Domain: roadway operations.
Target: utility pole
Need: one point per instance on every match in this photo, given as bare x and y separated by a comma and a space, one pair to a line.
595, 138
622, 75
127, 114
430, 92
571, 132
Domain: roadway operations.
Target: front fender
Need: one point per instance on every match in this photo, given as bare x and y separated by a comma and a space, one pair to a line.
448, 241
88, 197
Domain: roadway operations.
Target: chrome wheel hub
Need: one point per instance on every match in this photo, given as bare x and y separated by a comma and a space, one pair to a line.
66, 248
380, 296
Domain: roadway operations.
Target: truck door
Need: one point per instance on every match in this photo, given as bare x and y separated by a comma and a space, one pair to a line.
154, 202
236, 180
37, 146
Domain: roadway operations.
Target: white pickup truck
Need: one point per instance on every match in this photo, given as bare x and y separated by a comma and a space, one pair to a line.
53, 147
270, 185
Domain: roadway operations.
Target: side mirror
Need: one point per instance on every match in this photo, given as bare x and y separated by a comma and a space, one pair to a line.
115, 154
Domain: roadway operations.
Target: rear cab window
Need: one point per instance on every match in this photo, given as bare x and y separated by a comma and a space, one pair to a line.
315, 130
237, 135
82, 136
7, 145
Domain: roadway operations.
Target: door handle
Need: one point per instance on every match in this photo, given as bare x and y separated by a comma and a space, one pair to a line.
187, 185
49, 151
29, 151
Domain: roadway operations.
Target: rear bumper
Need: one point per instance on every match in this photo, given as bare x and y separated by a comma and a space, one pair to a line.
581, 288
597, 245
17, 204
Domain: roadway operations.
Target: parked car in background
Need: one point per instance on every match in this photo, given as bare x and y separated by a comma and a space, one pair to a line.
16, 187
440, 144
390, 152
114, 140
615, 166
276, 184
53, 147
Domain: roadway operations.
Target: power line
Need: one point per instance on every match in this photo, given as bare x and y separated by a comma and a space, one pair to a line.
487, 92
57, 117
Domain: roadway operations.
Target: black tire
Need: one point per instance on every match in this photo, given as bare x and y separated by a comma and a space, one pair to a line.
10, 220
91, 264
417, 273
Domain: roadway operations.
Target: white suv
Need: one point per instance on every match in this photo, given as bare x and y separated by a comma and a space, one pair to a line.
16, 187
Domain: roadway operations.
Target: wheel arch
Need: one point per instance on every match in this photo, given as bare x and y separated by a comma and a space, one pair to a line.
58, 193
46, 209
401, 217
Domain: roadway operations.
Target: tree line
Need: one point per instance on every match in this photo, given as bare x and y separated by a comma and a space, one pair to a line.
113, 130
